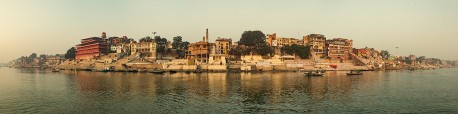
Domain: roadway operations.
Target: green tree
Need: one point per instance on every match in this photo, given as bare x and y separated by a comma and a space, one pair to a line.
43, 56
385, 54
185, 45
146, 39
252, 38
263, 49
299, 50
33, 55
71, 53
255, 40
157, 39
177, 41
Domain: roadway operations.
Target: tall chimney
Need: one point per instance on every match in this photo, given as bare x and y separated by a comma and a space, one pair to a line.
206, 36
203, 39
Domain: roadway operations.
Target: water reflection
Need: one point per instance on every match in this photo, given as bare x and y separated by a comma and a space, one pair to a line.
36, 90
258, 92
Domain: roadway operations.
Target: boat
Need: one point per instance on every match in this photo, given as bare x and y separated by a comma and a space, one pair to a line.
158, 71
172, 71
198, 71
355, 72
314, 73
187, 72
55, 70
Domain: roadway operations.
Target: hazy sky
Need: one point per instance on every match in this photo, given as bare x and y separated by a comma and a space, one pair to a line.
421, 27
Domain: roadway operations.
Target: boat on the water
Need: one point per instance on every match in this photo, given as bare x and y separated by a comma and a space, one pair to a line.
157, 71
314, 73
198, 71
55, 70
355, 72
172, 71
187, 72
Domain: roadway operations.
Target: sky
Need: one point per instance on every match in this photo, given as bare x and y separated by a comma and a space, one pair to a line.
420, 27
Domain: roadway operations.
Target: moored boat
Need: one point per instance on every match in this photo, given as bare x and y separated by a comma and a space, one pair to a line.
187, 72
55, 70
172, 71
314, 73
198, 71
157, 71
355, 72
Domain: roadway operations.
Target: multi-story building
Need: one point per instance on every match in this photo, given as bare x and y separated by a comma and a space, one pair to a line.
91, 47
54, 59
288, 42
144, 48
115, 42
223, 46
200, 51
317, 44
339, 48
272, 39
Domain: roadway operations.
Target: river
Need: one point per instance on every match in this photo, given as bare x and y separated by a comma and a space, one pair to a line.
41, 91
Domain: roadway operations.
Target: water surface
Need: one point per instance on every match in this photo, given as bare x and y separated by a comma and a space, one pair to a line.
39, 91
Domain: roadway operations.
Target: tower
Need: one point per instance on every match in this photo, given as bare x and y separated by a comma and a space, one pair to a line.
104, 35
206, 36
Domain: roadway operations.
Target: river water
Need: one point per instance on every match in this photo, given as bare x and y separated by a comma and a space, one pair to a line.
39, 91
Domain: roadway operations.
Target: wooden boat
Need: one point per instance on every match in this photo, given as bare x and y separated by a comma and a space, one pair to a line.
314, 73
158, 71
355, 72
198, 71
172, 71
55, 70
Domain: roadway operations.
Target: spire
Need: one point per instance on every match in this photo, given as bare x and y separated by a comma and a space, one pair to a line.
206, 36
104, 35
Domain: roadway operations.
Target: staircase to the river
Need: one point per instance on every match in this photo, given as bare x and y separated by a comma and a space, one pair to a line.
359, 60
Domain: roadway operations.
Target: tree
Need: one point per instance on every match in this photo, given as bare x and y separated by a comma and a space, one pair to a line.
300, 50
263, 49
252, 38
33, 55
42, 56
71, 53
185, 45
146, 39
157, 39
385, 54
255, 40
177, 41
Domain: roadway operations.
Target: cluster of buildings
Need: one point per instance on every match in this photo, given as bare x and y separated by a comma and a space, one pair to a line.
218, 53
205, 52
337, 48
41, 61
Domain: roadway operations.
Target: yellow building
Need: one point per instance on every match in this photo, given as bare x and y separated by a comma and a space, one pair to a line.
148, 48
200, 51
223, 46
317, 44
339, 48
288, 42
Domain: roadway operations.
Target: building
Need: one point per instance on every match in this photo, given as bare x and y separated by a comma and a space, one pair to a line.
115, 42
199, 51
339, 48
223, 46
54, 59
288, 42
147, 49
317, 44
271, 39
91, 47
